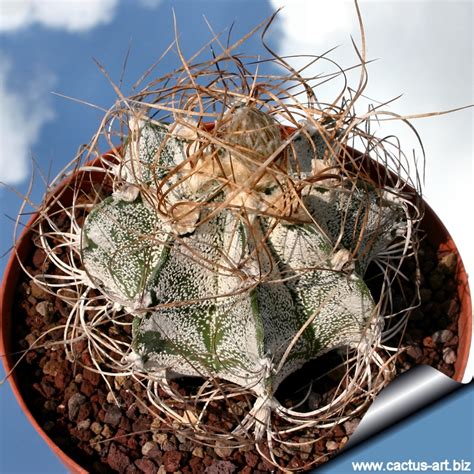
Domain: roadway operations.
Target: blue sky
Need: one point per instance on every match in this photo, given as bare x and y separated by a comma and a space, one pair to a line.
424, 50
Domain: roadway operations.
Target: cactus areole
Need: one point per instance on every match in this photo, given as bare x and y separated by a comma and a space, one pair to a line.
229, 270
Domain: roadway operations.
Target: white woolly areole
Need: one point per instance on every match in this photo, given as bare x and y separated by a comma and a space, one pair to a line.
135, 359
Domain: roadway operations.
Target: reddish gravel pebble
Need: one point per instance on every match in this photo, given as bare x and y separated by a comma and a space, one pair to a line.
171, 460
116, 459
142, 424
84, 411
251, 459
39, 258
92, 377
60, 380
196, 465
146, 465
221, 467
87, 388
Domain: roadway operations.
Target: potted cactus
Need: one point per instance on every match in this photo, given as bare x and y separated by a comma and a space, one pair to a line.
229, 237
237, 277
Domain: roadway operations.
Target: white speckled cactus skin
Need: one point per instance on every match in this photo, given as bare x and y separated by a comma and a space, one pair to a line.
247, 300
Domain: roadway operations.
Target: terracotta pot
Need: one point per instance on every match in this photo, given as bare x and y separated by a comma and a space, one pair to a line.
437, 235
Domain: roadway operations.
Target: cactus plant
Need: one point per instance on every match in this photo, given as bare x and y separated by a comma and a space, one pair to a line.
235, 246
240, 296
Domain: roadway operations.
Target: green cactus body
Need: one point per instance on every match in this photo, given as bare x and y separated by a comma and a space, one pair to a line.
341, 306
151, 152
307, 147
122, 246
363, 221
197, 323
217, 304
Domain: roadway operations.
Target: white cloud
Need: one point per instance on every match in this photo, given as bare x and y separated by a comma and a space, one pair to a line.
22, 115
69, 15
312, 22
